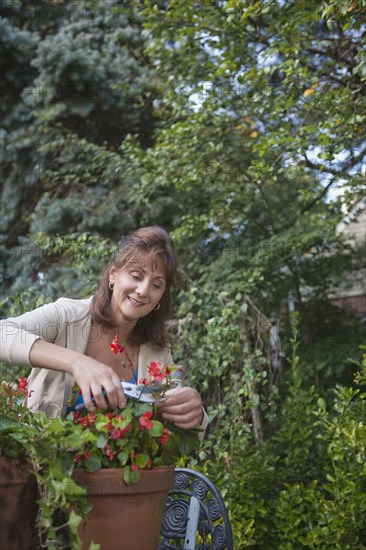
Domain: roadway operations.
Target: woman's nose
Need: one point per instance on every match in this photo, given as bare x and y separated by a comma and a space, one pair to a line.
142, 287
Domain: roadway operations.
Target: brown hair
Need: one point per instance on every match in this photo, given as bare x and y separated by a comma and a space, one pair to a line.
152, 242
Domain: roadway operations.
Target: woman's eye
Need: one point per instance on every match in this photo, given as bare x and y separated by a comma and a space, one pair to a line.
156, 285
135, 277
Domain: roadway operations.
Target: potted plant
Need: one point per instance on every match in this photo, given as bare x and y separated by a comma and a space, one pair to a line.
18, 487
36, 474
102, 478
126, 462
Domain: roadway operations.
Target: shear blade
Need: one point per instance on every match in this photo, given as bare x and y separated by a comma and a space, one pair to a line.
142, 393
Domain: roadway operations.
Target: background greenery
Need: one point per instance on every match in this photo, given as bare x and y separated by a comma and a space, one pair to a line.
238, 126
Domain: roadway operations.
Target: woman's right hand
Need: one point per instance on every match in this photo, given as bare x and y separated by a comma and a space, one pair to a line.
93, 377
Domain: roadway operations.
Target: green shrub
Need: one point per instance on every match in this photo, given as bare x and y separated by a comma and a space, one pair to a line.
304, 486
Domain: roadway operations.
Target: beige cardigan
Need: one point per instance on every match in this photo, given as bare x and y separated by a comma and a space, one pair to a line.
65, 323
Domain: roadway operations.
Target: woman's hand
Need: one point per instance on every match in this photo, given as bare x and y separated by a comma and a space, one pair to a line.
183, 407
92, 377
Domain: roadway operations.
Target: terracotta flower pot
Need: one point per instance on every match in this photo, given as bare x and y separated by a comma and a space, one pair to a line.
18, 504
125, 517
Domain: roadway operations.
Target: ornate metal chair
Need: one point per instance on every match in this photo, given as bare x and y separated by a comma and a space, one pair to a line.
195, 515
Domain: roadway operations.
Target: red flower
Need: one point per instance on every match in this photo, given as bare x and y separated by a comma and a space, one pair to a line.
127, 429
92, 418
155, 370
115, 346
118, 433
144, 381
165, 436
23, 384
134, 467
145, 421
110, 454
87, 454
109, 426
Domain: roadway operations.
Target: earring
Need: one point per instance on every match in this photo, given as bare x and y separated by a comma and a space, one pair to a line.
111, 286
157, 307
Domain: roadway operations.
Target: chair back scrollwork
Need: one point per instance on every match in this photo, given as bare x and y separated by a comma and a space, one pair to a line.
195, 515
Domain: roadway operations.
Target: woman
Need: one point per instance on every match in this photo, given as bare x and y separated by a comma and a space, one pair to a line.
130, 307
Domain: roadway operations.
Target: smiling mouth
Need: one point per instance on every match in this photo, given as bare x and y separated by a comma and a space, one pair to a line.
134, 302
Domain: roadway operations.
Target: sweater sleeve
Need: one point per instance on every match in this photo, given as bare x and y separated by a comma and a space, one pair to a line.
18, 334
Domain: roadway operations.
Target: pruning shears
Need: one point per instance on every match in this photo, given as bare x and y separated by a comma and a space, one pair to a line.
140, 392
144, 393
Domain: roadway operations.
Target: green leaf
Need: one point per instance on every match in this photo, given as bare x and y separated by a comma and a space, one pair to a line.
122, 457
94, 462
72, 488
157, 429
102, 441
141, 460
74, 521
56, 426
130, 476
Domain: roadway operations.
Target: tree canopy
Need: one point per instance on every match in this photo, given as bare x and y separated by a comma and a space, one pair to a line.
231, 123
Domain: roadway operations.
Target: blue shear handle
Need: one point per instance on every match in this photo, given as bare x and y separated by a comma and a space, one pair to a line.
78, 405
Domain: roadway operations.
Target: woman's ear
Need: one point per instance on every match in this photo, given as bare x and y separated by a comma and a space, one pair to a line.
112, 273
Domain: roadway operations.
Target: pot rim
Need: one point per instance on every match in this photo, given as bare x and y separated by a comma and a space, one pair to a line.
108, 481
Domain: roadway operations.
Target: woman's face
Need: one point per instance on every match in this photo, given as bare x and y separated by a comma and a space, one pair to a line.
137, 289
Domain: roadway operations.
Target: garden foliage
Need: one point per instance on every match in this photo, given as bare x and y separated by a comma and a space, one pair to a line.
239, 126
304, 485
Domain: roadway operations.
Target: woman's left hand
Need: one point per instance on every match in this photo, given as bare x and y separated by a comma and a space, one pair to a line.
183, 407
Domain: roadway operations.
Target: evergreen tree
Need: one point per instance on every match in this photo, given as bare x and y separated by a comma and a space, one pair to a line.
76, 82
